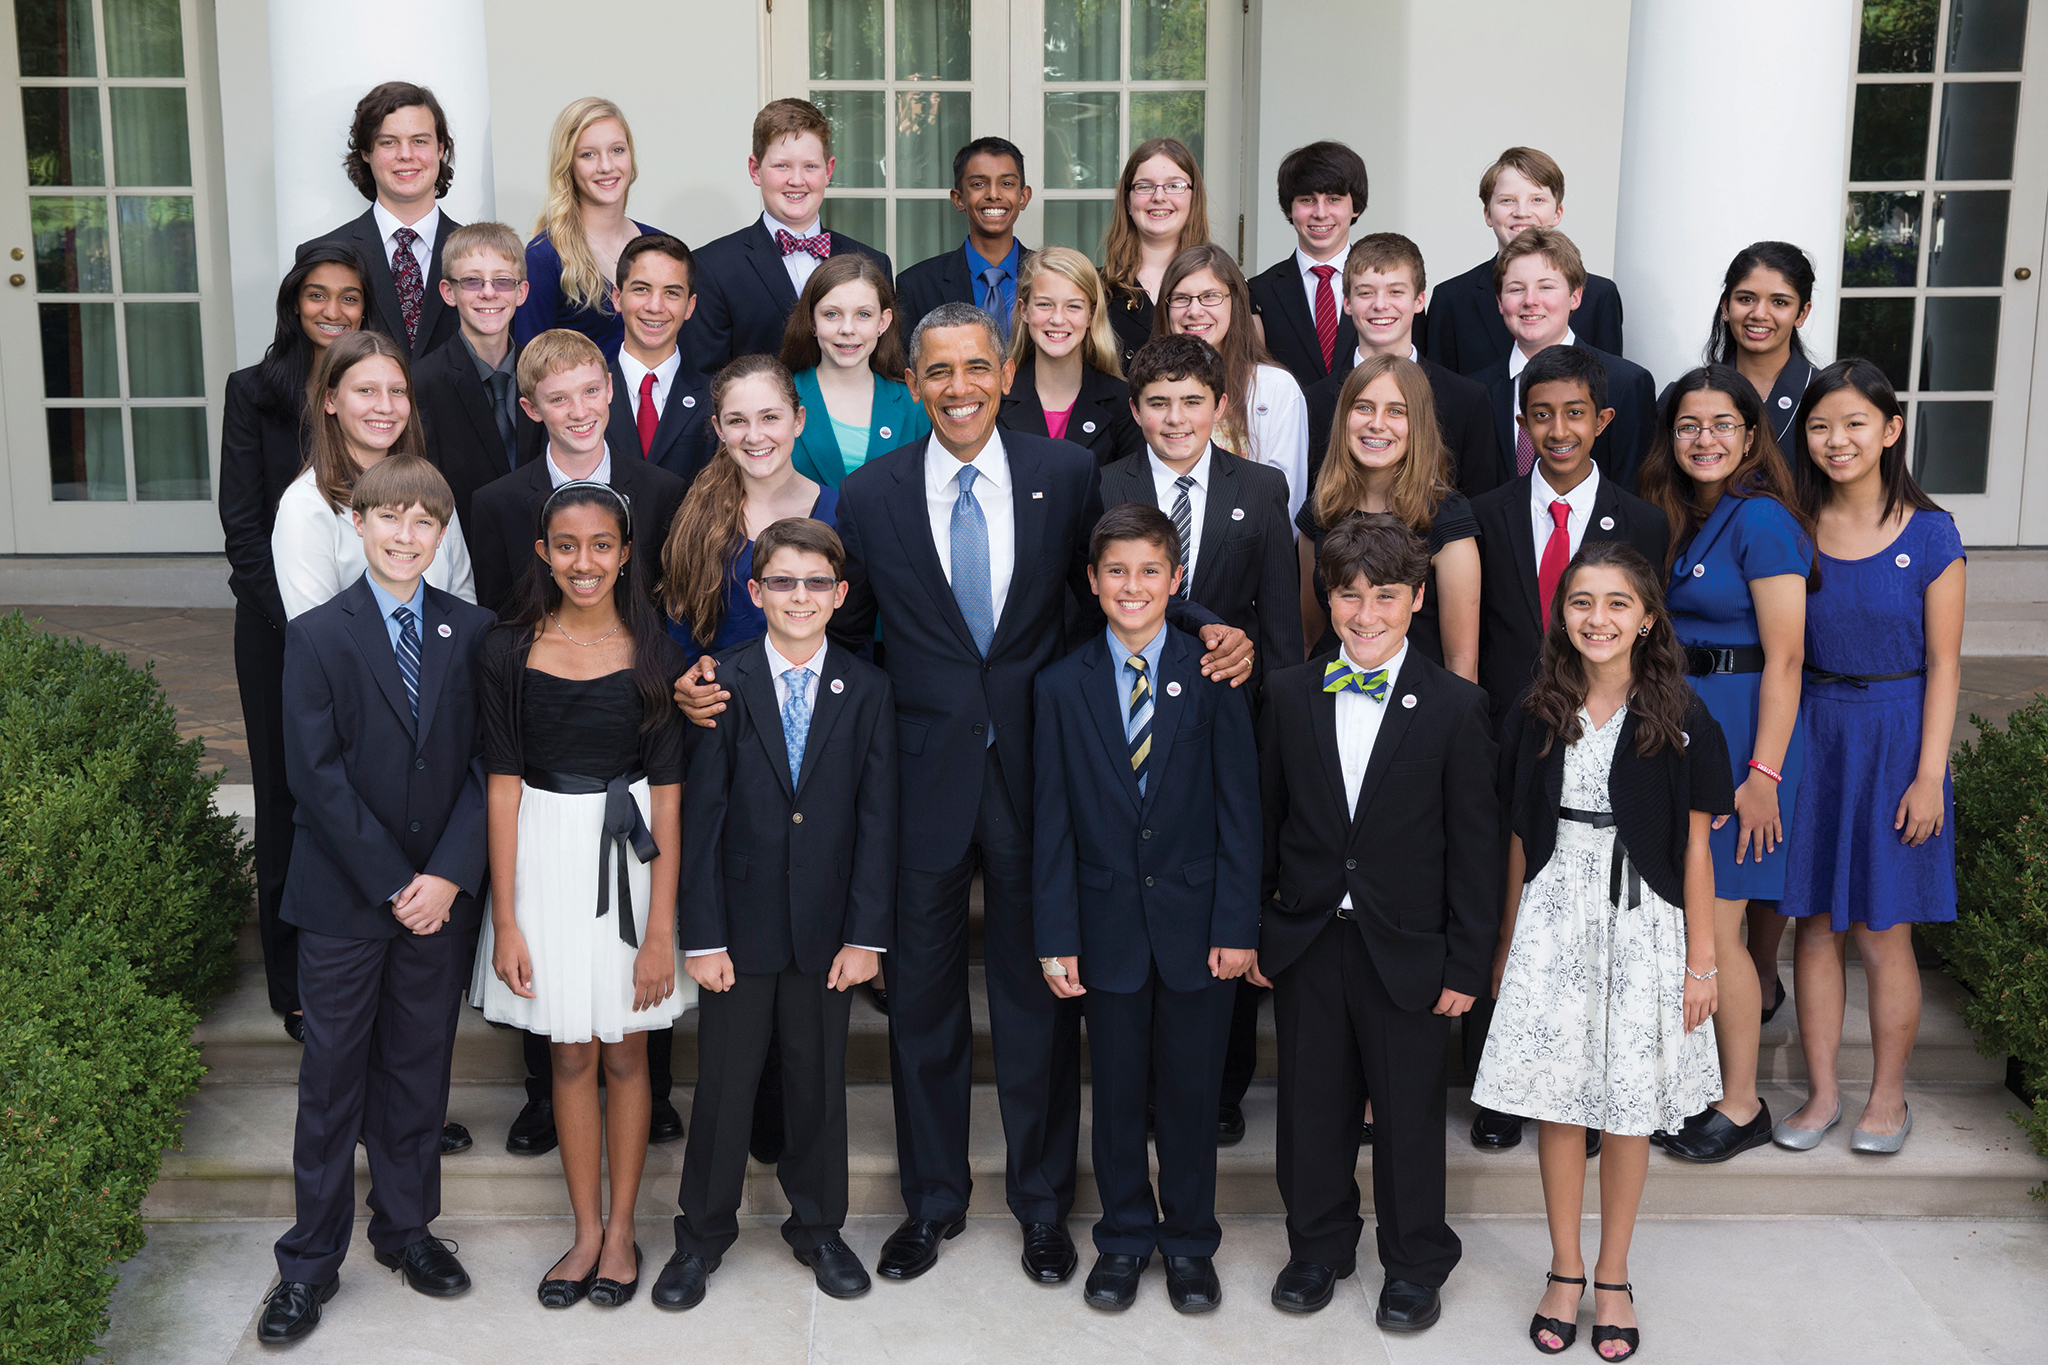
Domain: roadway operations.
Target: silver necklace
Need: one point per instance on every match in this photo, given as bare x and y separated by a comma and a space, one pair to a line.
586, 644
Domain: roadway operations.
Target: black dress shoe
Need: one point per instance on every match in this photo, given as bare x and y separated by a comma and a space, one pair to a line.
1229, 1125
292, 1310
1049, 1256
1494, 1131
430, 1267
1405, 1307
1191, 1284
566, 1293
533, 1132
664, 1124
1306, 1287
295, 1025
1593, 1142
1714, 1137
880, 995
840, 1273
914, 1247
681, 1282
1113, 1284
613, 1293
1777, 1003
455, 1138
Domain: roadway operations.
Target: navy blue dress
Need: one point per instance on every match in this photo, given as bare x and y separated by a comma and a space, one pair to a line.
547, 307
743, 621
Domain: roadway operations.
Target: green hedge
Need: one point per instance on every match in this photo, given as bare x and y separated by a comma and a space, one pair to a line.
120, 896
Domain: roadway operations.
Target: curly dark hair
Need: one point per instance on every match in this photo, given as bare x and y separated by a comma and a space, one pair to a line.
371, 111
1659, 694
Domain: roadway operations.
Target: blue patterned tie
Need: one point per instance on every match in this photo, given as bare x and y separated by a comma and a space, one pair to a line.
796, 720
409, 655
992, 298
970, 563
1138, 719
1339, 675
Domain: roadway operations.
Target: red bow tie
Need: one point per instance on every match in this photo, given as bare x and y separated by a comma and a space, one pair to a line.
818, 244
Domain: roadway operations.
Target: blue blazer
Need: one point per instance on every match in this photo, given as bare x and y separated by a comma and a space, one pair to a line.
1619, 450
1127, 881
895, 419
381, 797
547, 307
744, 297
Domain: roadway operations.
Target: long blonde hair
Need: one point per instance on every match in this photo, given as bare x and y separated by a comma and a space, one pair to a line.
1423, 479
1241, 349
561, 216
334, 469
1121, 254
1098, 343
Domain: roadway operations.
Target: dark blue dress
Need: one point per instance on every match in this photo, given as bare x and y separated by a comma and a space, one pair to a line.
547, 307
1863, 743
743, 621
1709, 599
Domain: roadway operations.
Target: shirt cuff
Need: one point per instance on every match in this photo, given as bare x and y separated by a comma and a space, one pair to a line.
864, 948
702, 952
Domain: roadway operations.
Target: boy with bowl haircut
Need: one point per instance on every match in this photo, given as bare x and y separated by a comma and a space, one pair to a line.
1299, 300
1144, 900
661, 407
990, 189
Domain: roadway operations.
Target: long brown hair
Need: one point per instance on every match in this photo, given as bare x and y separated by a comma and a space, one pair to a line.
1242, 350
800, 349
1098, 343
1121, 253
712, 525
1760, 473
1423, 479
334, 469
1658, 691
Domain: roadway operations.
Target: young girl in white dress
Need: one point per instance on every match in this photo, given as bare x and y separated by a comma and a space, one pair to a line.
1614, 772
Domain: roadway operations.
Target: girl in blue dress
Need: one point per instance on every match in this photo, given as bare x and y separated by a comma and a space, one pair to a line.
574, 255
846, 354
1874, 846
1739, 565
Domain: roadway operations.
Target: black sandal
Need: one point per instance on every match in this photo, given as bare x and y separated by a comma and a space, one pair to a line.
1627, 1336
1778, 1003
1565, 1332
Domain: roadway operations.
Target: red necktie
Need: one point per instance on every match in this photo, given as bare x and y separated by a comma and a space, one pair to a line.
405, 277
1326, 312
646, 416
1557, 552
819, 244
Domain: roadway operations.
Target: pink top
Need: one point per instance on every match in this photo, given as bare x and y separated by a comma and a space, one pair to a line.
1056, 422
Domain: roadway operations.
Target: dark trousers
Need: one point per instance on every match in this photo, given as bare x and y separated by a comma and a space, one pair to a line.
1241, 1058
1340, 1033
808, 1020
1177, 1040
1472, 1039
1037, 1036
380, 1028
540, 1066
259, 677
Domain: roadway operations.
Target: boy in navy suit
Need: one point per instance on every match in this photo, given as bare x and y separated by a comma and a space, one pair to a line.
1300, 300
1145, 900
387, 866
989, 188
661, 408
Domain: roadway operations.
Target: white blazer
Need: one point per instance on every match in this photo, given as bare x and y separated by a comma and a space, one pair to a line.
318, 553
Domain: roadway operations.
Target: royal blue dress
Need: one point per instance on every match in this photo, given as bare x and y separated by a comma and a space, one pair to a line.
547, 306
1863, 743
1709, 599
743, 621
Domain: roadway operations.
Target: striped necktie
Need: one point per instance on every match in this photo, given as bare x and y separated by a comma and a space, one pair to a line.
1184, 527
409, 655
1138, 719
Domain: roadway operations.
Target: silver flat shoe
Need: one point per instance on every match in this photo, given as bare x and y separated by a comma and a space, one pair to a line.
1806, 1139
1882, 1144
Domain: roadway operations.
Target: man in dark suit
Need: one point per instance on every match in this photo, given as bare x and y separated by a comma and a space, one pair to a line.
661, 408
387, 867
402, 159
988, 186
1299, 300
748, 281
1383, 901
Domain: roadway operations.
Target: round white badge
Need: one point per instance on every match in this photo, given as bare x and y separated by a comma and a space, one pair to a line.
1903, 561
689, 400
886, 433
1237, 514
1173, 689
1408, 700
1607, 523
1785, 401
1087, 426
838, 685
446, 631
1699, 571
1684, 740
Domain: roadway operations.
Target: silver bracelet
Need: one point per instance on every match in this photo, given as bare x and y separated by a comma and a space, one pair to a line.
1708, 977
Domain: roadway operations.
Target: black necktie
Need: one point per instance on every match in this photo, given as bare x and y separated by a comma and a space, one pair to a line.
500, 384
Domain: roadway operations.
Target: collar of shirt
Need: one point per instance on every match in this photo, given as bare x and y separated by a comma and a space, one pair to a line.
976, 262
1358, 356
1517, 362
1541, 495
386, 604
779, 668
601, 474
664, 374
1125, 676
1163, 475
775, 225
428, 227
1392, 666
942, 467
1305, 263
484, 369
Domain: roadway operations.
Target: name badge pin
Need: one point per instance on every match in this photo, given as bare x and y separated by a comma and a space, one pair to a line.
1785, 401
1173, 689
1408, 700
1903, 561
1237, 514
838, 686
1607, 523
1699, 571
1087, 426
886, 433
446, 631
689, 400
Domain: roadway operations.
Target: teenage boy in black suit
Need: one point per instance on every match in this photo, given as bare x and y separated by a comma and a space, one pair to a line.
988, 186
661, 408
1300, 301
386, 871
1146, 774
1523, 188
748, 281
402, 159
791, 849
1382, 854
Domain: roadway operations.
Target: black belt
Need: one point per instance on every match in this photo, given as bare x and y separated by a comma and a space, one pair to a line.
1600, 819
623, 829
1701, 660
1860, 681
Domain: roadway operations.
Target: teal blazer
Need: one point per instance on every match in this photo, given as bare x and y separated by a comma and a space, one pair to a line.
896, 419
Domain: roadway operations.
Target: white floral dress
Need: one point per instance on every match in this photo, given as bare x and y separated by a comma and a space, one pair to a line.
1590, 1024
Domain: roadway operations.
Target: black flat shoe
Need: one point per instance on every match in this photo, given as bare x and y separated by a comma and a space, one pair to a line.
533, 1132
880, 995
429, 1267
1715, 1137
566, 1293
1306, 1287
455, 1138
1592, 1143
664, 1124
1776, 1003
1049, 1256
292, 1310
1494, 1131
1229, 1125
295, 1027
840, 1273
1405, 1307
611, 1293
1604, 1333
1113, 1284
914, 1247
681, 1282
1565, 1332
1191, 1284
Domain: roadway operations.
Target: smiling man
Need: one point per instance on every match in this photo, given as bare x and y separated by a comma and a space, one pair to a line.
989, 188
661, 408
1300, 300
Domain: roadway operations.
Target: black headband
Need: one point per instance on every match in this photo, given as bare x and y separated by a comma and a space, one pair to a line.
577, 485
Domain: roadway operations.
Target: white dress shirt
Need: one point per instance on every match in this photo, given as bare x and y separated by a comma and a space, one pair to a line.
1306, 264
602, 474
1517, 362
428, 227
317, 552
799, 264
632, 371
1198, 501
993, 491
1358, 728
1358, 356
1275, 415
1541, 495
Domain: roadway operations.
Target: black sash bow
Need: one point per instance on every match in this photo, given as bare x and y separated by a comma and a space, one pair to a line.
623, 829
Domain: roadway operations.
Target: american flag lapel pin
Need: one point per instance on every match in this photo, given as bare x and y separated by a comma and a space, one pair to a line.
1036, 495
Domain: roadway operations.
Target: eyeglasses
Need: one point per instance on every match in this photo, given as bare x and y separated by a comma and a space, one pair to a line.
1688, 432
1180, 303
782, 582
474, 284
1145, 189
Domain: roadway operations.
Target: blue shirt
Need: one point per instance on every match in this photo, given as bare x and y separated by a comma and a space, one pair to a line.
1127, 677
386, 604
1005, 305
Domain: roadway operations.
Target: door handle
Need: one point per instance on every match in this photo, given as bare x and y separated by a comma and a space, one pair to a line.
17, 280
2023, 274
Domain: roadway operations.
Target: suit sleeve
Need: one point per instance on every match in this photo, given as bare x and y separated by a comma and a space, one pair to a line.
1234, 920
1280, 642
1472, 851
1441, 335
853, 625
1272, 798
871, 892
462, 854
1603, 328
241, 500
707, 794
709, 330
1055, 888
1125, 437
543, 292
1644, 391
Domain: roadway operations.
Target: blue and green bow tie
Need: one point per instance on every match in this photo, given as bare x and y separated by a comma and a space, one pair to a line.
1340, 675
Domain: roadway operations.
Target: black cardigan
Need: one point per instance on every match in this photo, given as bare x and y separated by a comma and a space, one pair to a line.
1652, 797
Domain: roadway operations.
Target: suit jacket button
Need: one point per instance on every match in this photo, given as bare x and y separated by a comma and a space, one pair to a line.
420, 763
1148, 881
1351, 864
979, 728
415, 827
797, 818
1145, 834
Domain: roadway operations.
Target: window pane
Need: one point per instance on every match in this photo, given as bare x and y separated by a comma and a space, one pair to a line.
1881, 240
1169, 113
78, 350
1890, 137
164, 359
1959, 347
1078, 223
1169, 40
864, 220
1898, 35
1952, 447
150, 143
144, 38
934, 41
170, 454
55, 37
930, 126
158, 255
63, 134
71, 245
1967, 245
1987, 35
846, 40
1083, 41
926, 228
86, 460
1080, 140
1880, 331
1978, 122
859, 139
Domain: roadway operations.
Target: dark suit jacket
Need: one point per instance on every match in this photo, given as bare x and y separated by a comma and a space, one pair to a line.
1465, 330
744, 297
935, 280
1125, 880
1510, 623
685, 438
508, 512
381, 797
438, 322
462, 432
1101, 419
1279, 299
260, 454
1420, 860
1464, 417
1619, 450
1246, 567
767, 888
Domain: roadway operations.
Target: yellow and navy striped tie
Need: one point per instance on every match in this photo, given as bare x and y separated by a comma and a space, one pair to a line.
1138, 719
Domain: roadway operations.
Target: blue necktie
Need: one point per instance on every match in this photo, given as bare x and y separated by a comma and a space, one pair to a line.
796, 720
1338, 676
409, 656
992, 297
970, 564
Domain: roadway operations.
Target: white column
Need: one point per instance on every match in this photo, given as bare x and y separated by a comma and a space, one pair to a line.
1736, 130
324, 58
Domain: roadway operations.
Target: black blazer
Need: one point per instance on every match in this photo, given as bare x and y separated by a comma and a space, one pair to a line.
744, 297
1464, 417
1278, 298
685, 438
935, 280
1510, 621
1652, 798
1125, 880
462, 432
1101, 419
260, 454
1421, 858
1130, 317
381, 797
781, 873
438, 322
1466, 333
508, 514
1246, 567
1619, 450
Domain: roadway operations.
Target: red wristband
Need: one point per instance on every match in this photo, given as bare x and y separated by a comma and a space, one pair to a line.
1767, 770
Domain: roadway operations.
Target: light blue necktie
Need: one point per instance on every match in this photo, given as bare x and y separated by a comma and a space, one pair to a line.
796, 720
970, 564
409, 656
992, 298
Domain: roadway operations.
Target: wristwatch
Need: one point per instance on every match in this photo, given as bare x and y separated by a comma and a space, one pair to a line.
1052, 966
